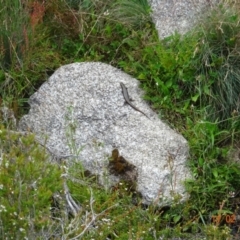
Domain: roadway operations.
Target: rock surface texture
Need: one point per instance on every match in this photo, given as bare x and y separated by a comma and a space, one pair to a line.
79, 114
178, 15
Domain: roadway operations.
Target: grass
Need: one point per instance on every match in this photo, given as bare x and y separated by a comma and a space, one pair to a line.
191, 81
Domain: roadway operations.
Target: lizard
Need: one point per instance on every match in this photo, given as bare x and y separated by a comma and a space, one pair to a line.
128, 100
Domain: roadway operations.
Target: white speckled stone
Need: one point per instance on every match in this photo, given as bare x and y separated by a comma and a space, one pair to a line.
86, 98
178, 15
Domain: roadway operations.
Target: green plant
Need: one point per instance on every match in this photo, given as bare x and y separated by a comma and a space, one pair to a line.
172, 72
14, 31
14, 44
218, 73
214, 176
135, 13
214, 233
27, 184
26, 52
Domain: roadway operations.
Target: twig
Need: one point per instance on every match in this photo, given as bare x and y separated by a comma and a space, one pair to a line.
74, 207
94, 217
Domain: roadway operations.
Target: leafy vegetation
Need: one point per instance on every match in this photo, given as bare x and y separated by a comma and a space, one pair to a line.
192, 81
27, 183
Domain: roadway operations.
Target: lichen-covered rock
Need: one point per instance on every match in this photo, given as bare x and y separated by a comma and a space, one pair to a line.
79, 113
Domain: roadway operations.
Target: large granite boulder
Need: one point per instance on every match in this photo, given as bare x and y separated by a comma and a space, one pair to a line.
79, 114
